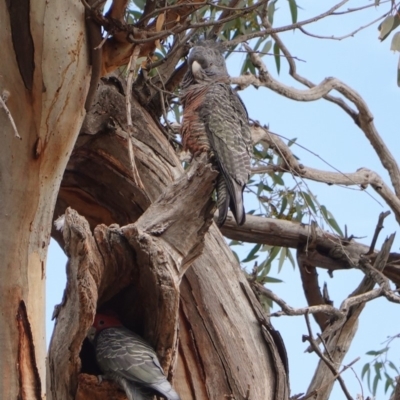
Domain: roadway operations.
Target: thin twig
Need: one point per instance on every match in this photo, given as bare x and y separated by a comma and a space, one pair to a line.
362, 117
102, 42
3, 98
351, 34
269, 30
131, 72
379, 227
328, 363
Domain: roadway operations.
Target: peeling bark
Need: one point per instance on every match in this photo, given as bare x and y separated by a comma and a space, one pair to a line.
45, 76
223, 348
28, 374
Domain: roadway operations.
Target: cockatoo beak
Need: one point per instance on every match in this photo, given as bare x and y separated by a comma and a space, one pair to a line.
91, 333
196, 68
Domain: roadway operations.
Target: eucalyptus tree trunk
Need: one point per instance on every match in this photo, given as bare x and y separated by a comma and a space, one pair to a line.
43, 81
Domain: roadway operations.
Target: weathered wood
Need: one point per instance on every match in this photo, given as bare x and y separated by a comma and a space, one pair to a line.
151, 255
338, 343
329, 251
222, 348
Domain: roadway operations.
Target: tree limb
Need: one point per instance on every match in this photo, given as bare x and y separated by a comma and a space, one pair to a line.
364, 118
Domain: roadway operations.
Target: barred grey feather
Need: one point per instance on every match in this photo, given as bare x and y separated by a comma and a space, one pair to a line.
222, 199
215, 120
126, 358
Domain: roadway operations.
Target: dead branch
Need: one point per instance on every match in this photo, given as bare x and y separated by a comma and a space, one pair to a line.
362, 117
362, 295
312, 292
328, 251
351, 34
326, 360
269, 29
362, 177
378, 228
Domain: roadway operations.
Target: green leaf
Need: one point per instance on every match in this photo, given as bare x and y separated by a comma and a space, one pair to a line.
395, 45
369, 379
266, 267
277, 179
398, 73
291, 259
387, 26
257, 45
267, 47
291, 141
245, 65
335, 226
270, 279
134, 16
283, 205
377, 352
293, 10
282, 258
309, 201
139, 4
365, 370
252, 255
271, 11
391, 365
378, 367
273, 253
389, 382
277, 51
324, 212
177, 112
375, 384
140, 60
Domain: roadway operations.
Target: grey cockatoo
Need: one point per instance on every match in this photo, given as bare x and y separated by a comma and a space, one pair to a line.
215, 120
126, 358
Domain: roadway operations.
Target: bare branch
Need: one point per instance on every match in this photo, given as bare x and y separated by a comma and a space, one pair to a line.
362, 177
270, 29
378, 228
351, 34
364, 118
329, 363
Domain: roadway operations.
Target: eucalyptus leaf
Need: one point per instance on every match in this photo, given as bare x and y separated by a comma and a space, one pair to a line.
398, 73
386, 27
293, 10
395, 45
277, 51
267, 47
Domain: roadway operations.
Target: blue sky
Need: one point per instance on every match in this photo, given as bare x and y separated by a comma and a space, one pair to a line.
368, 66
